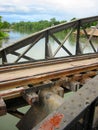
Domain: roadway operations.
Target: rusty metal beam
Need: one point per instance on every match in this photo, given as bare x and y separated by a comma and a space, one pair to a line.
74, 109
30, 97
48, 101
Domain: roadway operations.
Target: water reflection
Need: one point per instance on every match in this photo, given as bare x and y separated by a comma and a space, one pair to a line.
13, 36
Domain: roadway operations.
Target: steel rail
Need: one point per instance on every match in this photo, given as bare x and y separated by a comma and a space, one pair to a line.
12, 67
46, 76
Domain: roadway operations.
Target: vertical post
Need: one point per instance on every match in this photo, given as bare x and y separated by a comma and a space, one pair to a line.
4, 58
46, 44
78, 49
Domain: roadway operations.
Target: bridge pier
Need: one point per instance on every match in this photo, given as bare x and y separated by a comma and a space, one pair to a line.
48, 102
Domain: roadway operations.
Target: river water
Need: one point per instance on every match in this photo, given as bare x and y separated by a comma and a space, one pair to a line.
8, 121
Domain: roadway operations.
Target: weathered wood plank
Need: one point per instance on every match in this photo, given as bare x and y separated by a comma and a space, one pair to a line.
46, 72
12, 93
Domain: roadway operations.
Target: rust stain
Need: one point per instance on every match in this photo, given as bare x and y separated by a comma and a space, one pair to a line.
53, 122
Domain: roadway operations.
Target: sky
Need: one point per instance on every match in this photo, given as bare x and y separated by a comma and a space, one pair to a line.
35, 10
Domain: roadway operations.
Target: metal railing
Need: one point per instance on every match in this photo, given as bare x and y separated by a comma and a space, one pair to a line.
76, 25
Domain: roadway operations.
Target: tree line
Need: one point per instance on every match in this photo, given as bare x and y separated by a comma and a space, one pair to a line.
35, 26
40, 25
29, 27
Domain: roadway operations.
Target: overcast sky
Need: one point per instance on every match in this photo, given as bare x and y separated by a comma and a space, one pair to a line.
35, 10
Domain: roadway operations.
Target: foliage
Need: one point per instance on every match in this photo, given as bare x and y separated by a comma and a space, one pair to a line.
35, 26
3, 35
3, 25
90, 24
29, 27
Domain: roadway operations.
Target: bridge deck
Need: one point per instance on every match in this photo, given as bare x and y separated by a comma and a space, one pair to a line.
36, 74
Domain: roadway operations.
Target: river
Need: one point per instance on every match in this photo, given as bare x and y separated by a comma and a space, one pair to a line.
8, 121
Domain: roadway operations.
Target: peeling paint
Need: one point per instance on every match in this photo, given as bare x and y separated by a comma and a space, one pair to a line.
53, 122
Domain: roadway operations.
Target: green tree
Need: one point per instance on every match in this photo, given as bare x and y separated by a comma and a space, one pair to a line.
2, 24
35, 26
54, 21
5, 25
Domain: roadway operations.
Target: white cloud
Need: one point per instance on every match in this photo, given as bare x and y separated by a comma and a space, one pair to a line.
50, 8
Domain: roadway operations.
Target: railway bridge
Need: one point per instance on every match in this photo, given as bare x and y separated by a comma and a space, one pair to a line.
62, 91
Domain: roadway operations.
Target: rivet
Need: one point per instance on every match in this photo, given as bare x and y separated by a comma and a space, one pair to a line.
64, 108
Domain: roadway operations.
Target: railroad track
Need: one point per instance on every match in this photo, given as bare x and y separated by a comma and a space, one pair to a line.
12, 76
43, 83
16, 78
30, 64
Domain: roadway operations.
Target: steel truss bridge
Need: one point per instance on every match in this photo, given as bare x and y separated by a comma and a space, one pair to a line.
44, 84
